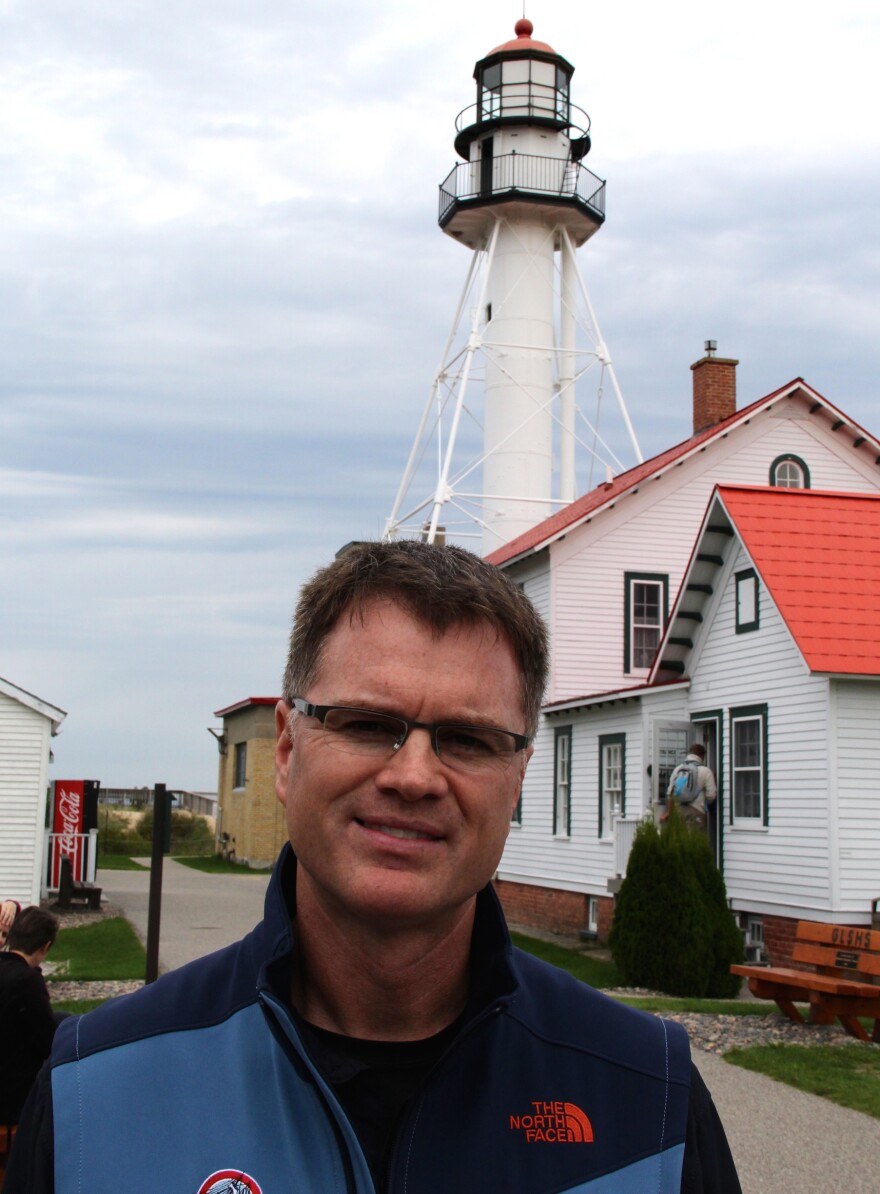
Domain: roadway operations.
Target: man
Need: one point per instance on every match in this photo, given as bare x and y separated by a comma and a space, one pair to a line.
27, 1024
377, 1032
692, 787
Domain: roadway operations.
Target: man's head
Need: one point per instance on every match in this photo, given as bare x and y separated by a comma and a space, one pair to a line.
440, 587
697, 748
407, 831
33, 933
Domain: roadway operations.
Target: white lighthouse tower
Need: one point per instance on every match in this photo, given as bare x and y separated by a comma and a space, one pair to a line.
522, 202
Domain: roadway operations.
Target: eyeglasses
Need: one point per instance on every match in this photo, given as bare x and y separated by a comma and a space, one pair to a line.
366, 732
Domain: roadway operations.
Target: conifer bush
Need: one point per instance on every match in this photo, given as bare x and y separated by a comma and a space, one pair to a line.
673, 930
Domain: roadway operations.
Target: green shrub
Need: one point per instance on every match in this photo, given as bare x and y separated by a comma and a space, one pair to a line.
672, 929
190, 833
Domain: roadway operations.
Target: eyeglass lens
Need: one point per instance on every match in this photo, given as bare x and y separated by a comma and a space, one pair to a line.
363, 732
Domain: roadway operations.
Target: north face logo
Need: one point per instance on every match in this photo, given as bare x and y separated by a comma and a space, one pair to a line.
554, 1123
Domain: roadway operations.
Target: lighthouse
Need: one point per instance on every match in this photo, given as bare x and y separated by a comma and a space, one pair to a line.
521, 202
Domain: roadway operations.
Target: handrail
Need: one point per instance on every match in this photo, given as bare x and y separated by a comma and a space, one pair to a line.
535, 103
526, 172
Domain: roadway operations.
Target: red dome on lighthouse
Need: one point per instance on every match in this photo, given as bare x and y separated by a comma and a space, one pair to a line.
523, 40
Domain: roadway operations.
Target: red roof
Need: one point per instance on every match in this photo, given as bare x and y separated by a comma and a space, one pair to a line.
818, 553
568, 517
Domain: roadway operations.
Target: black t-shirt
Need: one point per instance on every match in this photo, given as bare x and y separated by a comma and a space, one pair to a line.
374, 1080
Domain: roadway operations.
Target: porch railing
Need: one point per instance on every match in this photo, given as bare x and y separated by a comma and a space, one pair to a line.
624, 836
80, 848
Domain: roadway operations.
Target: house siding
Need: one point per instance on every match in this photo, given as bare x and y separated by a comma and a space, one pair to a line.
857, 719
788, 860
24, 759
653, 531
580, 862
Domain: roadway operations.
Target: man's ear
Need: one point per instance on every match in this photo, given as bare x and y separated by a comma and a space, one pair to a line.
283, 750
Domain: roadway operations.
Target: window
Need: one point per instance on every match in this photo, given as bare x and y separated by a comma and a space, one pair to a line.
562, 783
646, 607
593, 915
612, 793
516, 819
490, 92
747, 617
240, 765
562, 85
789, 472
671, 740
748, 763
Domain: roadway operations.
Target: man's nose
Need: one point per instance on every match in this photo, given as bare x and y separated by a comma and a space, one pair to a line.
414, 770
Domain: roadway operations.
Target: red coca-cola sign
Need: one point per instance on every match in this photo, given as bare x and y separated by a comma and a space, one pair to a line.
68, 826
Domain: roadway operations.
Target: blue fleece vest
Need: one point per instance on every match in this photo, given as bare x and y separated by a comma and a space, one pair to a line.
200, 1083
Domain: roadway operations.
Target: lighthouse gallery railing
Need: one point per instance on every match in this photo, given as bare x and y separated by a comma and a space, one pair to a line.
526, 172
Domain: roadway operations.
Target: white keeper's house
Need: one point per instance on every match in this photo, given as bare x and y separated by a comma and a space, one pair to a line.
796, 829
27, 726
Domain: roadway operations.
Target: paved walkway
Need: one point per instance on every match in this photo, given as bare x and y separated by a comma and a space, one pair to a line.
200, 913
783, 1141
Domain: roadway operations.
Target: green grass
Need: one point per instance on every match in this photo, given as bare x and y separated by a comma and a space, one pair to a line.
595, 971
119, 862
77, 1007
845, 1074
213, 864
602, 974
108, 949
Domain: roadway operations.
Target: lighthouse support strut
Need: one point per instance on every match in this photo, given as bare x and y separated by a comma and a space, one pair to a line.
433, 397
601, 348
441, 494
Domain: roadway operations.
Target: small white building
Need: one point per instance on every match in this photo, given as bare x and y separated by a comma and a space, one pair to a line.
27, 726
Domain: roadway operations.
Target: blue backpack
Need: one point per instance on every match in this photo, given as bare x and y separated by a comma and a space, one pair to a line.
684, 783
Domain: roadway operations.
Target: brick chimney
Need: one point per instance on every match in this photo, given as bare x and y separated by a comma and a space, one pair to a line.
714, 389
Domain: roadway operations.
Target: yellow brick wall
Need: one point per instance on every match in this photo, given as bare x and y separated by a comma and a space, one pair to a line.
251, 815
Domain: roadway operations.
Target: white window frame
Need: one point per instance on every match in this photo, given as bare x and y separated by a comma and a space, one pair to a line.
755, 715
789, 472
592, 914
612, 781
632, 627
562, 782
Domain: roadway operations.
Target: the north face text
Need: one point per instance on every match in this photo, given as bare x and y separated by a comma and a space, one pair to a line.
554, 1122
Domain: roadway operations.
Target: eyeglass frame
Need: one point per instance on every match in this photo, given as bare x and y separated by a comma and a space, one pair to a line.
319, 712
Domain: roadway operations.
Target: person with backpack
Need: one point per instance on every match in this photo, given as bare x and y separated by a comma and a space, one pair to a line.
692, 787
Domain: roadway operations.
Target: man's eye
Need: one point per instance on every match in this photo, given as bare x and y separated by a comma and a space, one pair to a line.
364, 727
462, 741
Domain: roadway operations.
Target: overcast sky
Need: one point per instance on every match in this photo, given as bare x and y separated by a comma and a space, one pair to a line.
223, 293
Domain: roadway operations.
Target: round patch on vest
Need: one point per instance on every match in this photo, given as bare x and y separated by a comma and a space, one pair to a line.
230, 1181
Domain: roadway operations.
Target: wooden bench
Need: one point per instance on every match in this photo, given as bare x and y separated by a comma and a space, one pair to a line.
72, 891
844, 984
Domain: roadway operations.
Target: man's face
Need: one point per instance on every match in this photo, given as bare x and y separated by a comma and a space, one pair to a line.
403, 838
